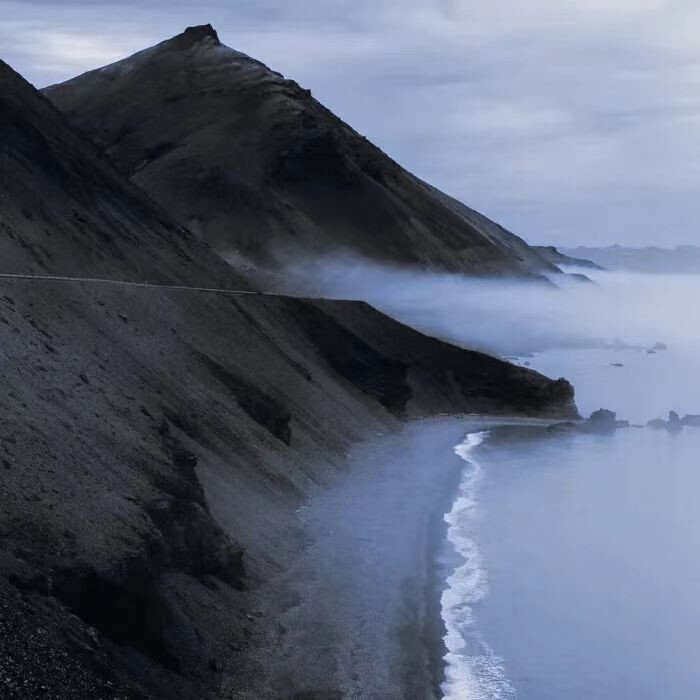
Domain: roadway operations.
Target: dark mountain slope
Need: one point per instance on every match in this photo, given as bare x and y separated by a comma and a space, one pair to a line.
155, 444
65, 209
253, 163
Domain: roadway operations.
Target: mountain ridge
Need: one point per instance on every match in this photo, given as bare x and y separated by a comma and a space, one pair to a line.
261, 170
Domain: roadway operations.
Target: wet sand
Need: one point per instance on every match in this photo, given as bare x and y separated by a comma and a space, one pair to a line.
360, 623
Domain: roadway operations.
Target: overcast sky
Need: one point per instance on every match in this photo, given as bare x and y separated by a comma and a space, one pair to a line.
568, 121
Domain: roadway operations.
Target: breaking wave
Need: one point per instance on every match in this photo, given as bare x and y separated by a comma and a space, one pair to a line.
472, 670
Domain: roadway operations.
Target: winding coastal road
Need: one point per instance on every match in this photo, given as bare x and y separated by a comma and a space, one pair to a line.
95, 280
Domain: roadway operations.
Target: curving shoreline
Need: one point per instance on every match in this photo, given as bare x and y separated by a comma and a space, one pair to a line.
361, 610
440, 571
362, 590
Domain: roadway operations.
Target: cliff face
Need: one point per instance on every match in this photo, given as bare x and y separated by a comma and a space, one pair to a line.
155, 444
261, 170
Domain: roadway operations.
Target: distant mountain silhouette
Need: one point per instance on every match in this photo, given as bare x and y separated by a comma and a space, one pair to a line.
678, 260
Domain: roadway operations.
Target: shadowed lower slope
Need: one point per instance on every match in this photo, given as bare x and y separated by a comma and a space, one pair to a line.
156, 445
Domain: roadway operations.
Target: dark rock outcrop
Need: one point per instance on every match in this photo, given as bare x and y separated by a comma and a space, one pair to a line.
197, 33
601, 421
673, 424
674, 421
657, 423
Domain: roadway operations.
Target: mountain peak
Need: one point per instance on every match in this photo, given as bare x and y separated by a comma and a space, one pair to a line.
192, 35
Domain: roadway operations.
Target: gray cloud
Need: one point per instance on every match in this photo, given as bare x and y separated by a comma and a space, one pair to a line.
568, 121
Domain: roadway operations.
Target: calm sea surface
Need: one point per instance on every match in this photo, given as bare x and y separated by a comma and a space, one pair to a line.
579, 574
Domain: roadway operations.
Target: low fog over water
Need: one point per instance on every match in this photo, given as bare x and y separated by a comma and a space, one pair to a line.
583, 331
511, 316
585, 547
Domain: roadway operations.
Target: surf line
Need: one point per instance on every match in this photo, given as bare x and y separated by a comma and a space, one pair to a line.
472, 670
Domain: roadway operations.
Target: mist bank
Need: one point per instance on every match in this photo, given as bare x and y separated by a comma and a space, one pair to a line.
619, 310
684, 259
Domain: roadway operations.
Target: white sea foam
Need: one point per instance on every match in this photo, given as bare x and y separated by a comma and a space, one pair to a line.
472, 670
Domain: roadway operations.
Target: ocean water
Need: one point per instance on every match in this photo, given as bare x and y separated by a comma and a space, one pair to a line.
472, 670
578, 556
572, 563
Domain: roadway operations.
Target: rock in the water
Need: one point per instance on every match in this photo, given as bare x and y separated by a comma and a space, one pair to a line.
659, 346
673, 423
657, 423
691, 419
601, 421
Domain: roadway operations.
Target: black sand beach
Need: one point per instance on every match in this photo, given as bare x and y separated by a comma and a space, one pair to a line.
360, 614
361, 623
